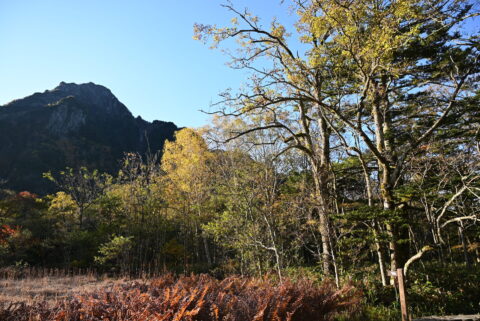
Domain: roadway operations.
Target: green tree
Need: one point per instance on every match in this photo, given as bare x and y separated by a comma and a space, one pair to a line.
82, 185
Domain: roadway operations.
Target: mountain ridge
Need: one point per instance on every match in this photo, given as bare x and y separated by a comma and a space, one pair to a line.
71, 125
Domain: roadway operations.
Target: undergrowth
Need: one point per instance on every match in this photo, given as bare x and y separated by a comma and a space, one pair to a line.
199, 297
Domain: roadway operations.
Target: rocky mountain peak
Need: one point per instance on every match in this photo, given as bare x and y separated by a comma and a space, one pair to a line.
94, 95
71, 125
83, 90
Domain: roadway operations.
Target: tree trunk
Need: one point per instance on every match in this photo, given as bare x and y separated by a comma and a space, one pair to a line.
324, 229
378, 245
384, 145
207, 250
319, 157
464, 244
381, 259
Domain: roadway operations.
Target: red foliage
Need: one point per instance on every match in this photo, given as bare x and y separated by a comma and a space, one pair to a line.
198, 298
7, 231
27, 195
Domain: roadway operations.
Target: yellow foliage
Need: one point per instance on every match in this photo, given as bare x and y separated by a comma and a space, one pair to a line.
185, 163
366, 30
63, 203
63, 206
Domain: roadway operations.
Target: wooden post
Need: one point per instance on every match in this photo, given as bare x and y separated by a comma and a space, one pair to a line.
403, 295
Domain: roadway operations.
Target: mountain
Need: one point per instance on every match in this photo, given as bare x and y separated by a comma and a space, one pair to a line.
72, 125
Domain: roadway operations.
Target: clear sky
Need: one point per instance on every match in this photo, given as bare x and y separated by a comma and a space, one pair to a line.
140, 49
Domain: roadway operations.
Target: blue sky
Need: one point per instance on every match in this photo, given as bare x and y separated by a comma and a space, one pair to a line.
142, 50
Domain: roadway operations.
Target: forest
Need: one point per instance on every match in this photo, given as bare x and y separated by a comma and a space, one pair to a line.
352, 149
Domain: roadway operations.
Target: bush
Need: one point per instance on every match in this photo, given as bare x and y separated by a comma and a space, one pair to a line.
449, 289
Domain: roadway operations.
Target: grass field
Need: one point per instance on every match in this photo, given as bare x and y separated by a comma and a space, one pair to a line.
51, 289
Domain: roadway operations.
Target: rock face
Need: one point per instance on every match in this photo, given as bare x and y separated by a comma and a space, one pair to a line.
70, 126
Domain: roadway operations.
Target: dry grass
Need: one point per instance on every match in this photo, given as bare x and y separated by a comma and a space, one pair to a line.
199, 298
50, 289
